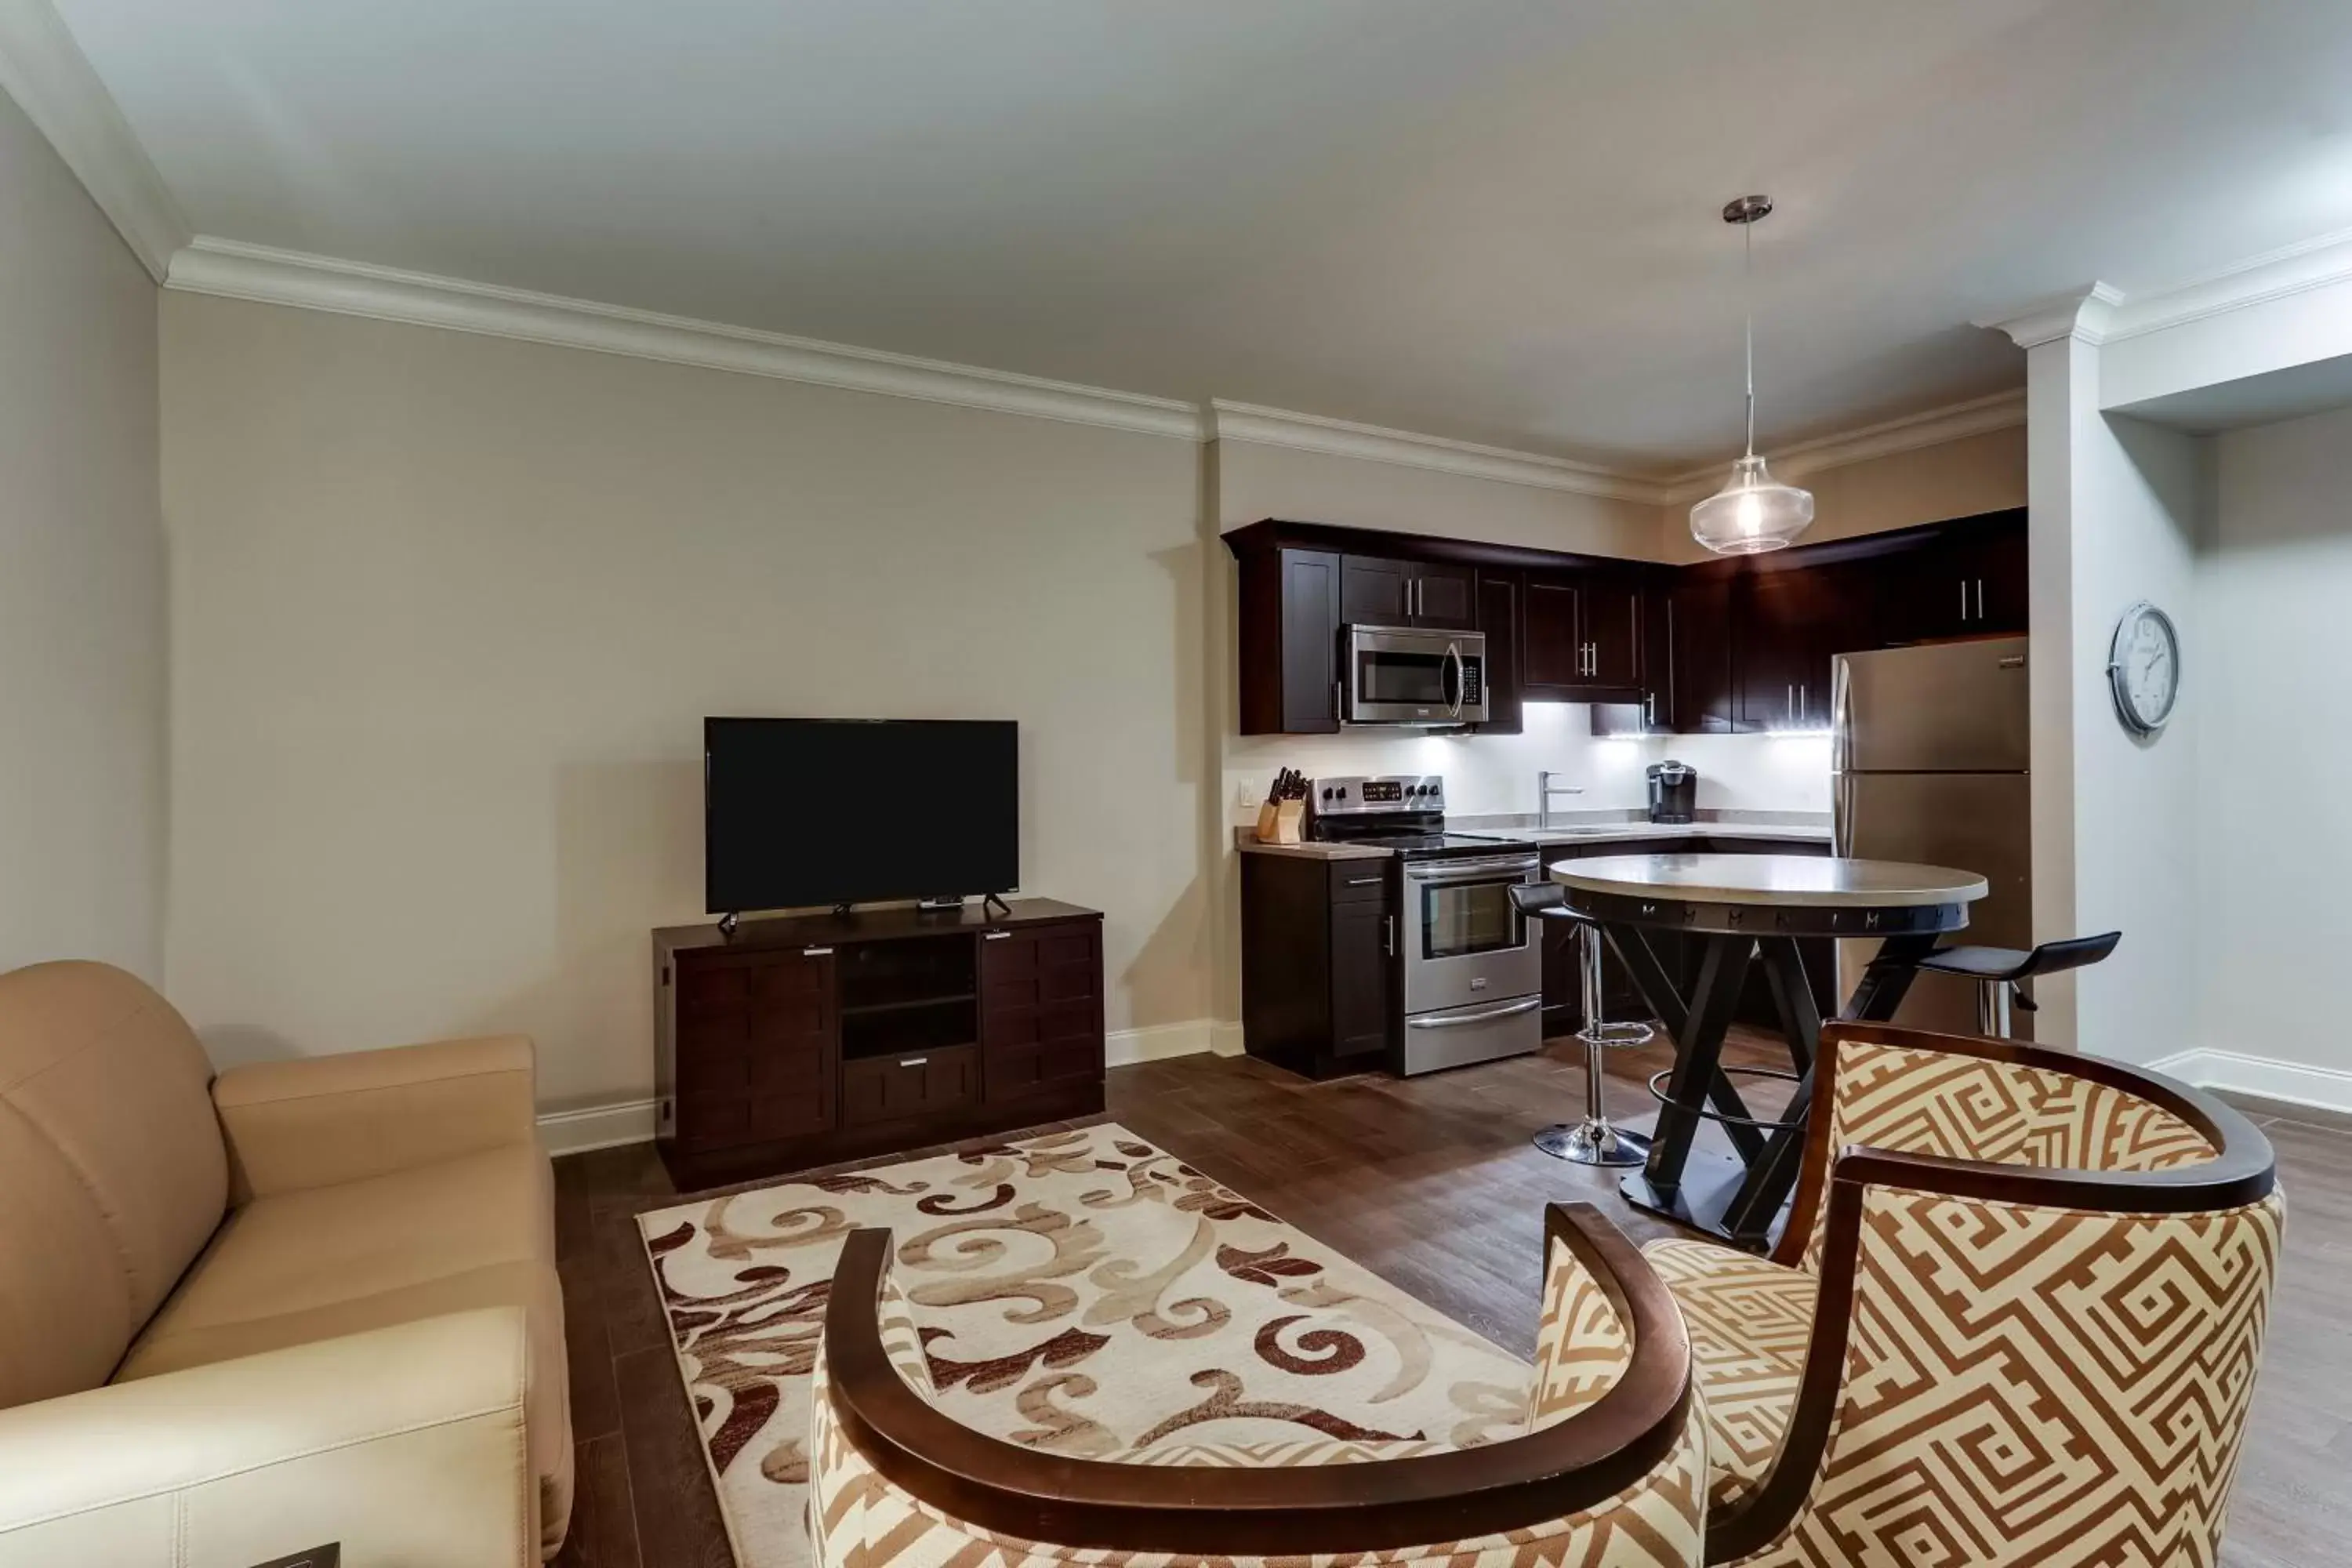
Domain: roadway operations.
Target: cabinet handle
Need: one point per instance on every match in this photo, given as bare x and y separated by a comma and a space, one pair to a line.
995, 935
1980, 598
1964, 598
1388, 934
914, 1061
816, 953
1788, 706
1804, 703
1363, 881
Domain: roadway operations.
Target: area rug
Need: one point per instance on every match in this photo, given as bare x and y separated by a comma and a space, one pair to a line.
1082, 1293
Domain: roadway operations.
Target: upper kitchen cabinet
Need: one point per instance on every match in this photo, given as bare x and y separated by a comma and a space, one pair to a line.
1686, 683
1289, 644
1500, 618
1379, 592
1582, 635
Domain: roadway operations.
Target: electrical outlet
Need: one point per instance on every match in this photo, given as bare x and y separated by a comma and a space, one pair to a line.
1250, 791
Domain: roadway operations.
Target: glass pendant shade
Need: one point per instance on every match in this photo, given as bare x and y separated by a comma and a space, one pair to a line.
1752, 512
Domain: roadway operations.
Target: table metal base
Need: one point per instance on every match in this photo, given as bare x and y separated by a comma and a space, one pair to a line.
1710, 1186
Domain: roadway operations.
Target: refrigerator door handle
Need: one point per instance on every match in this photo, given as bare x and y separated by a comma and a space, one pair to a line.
1841, 718
1842, 821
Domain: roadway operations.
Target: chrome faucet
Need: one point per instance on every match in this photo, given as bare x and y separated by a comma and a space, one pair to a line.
1545, 790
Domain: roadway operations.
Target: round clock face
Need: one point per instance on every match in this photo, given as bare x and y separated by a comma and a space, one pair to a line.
2144, 665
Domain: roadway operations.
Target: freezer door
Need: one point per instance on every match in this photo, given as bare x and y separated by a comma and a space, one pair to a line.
1956, 707
1976, 822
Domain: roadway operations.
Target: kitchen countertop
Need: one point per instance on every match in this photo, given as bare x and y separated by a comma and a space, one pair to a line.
1620, 827
1245, 840
1580, 827
1800, 880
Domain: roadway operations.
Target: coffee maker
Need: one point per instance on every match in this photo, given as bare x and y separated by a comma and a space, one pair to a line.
1674, 792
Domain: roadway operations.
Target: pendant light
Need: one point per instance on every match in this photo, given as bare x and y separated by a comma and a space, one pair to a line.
1753, 511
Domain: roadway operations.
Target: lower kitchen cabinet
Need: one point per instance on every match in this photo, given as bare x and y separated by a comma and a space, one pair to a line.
1318, 963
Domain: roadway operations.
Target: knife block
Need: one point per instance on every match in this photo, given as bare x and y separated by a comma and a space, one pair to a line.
1282, 822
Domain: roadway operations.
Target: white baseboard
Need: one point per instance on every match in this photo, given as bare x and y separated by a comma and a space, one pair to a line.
2323, 1088
597, 1127
1125, 1048
632, 1120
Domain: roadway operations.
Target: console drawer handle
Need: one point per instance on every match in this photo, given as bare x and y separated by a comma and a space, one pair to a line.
914, 1061
994, 935
816, 953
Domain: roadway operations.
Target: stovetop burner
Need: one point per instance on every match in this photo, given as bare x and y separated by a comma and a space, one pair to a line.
1404, 814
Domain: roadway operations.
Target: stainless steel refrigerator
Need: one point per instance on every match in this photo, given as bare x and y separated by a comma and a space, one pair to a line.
1929, 754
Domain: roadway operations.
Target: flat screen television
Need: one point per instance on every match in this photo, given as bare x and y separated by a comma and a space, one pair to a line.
803, 812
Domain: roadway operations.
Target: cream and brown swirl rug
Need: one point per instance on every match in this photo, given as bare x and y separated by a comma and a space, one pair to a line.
1082, 1292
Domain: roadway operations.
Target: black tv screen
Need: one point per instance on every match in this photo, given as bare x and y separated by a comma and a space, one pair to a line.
800, 811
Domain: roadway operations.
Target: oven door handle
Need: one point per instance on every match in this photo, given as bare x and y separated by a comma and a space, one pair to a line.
1478, 870
1456, 1021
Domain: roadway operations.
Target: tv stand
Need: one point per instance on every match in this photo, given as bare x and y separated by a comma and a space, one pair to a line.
804, 1040
729, 924
988, 899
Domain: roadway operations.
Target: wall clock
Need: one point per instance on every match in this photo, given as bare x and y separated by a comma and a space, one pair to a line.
2144, 669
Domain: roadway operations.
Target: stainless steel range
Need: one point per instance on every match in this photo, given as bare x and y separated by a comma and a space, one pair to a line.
1472, 967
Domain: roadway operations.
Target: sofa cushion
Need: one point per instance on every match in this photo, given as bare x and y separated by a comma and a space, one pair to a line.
309, 1265
112, 1162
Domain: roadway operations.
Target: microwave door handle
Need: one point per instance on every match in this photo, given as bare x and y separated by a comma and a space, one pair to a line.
1461, 678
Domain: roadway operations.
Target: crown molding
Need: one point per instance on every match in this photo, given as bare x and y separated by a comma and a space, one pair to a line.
1887, 438
257, 273
2084, 314
44, 70
1374, 443
2319, 262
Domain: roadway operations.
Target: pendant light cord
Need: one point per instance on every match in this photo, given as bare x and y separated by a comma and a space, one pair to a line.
1747, 306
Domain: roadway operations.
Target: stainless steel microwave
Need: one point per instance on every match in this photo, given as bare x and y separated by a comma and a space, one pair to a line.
1399, 674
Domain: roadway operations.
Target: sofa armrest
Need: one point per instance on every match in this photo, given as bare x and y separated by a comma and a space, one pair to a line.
405, 1445
317, 1120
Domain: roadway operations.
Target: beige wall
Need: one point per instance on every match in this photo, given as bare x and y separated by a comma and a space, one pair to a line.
448, 611
81, 576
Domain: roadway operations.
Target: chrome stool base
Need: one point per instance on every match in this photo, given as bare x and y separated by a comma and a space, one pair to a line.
1594, 1144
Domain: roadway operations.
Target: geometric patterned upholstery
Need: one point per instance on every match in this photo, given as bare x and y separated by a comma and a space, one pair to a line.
858, 1519
2022, 1381
2027, 1384
1750, 1321
1913, 1101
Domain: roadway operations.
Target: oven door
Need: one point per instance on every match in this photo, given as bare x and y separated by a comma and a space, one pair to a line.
1398, 676
1465, 942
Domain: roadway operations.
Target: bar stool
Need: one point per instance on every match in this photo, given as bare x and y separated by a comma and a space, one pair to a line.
1593, 1141
1999, 972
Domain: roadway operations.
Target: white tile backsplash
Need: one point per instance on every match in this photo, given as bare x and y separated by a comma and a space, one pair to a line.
1486, 774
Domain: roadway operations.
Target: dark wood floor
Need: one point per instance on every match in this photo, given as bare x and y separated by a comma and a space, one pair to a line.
1433, 1184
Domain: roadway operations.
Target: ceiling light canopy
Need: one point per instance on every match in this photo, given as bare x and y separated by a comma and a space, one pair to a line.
1753, 511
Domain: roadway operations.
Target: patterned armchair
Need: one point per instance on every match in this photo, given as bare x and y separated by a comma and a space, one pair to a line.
1608, 1474
2015, 1317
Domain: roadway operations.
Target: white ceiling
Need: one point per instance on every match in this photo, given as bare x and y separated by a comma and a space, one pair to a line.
1489, 219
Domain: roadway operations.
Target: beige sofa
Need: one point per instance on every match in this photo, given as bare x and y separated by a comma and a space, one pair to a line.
302, 1302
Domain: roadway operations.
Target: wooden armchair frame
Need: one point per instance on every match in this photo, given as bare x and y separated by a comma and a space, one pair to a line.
1574, 1465
2244, 1171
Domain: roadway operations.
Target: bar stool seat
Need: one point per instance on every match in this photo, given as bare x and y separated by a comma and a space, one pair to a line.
2000, 972
1593, 1141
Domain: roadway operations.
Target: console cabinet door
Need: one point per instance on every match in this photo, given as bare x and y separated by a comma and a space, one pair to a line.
758, 1048
1040, 1009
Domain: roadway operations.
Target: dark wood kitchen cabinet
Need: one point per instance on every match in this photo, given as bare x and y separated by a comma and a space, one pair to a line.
807, 1040
1709, 647
1499, 621
1583, 633
1319, 965
1379, 592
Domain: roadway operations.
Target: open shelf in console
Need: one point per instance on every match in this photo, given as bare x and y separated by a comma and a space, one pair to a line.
918, 994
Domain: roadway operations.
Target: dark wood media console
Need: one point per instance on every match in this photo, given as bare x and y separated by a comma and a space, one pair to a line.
808, 1040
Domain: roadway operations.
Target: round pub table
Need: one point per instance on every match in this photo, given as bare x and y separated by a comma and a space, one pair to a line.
1731, 911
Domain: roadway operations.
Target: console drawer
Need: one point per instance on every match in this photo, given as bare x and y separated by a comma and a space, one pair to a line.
885, 1088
